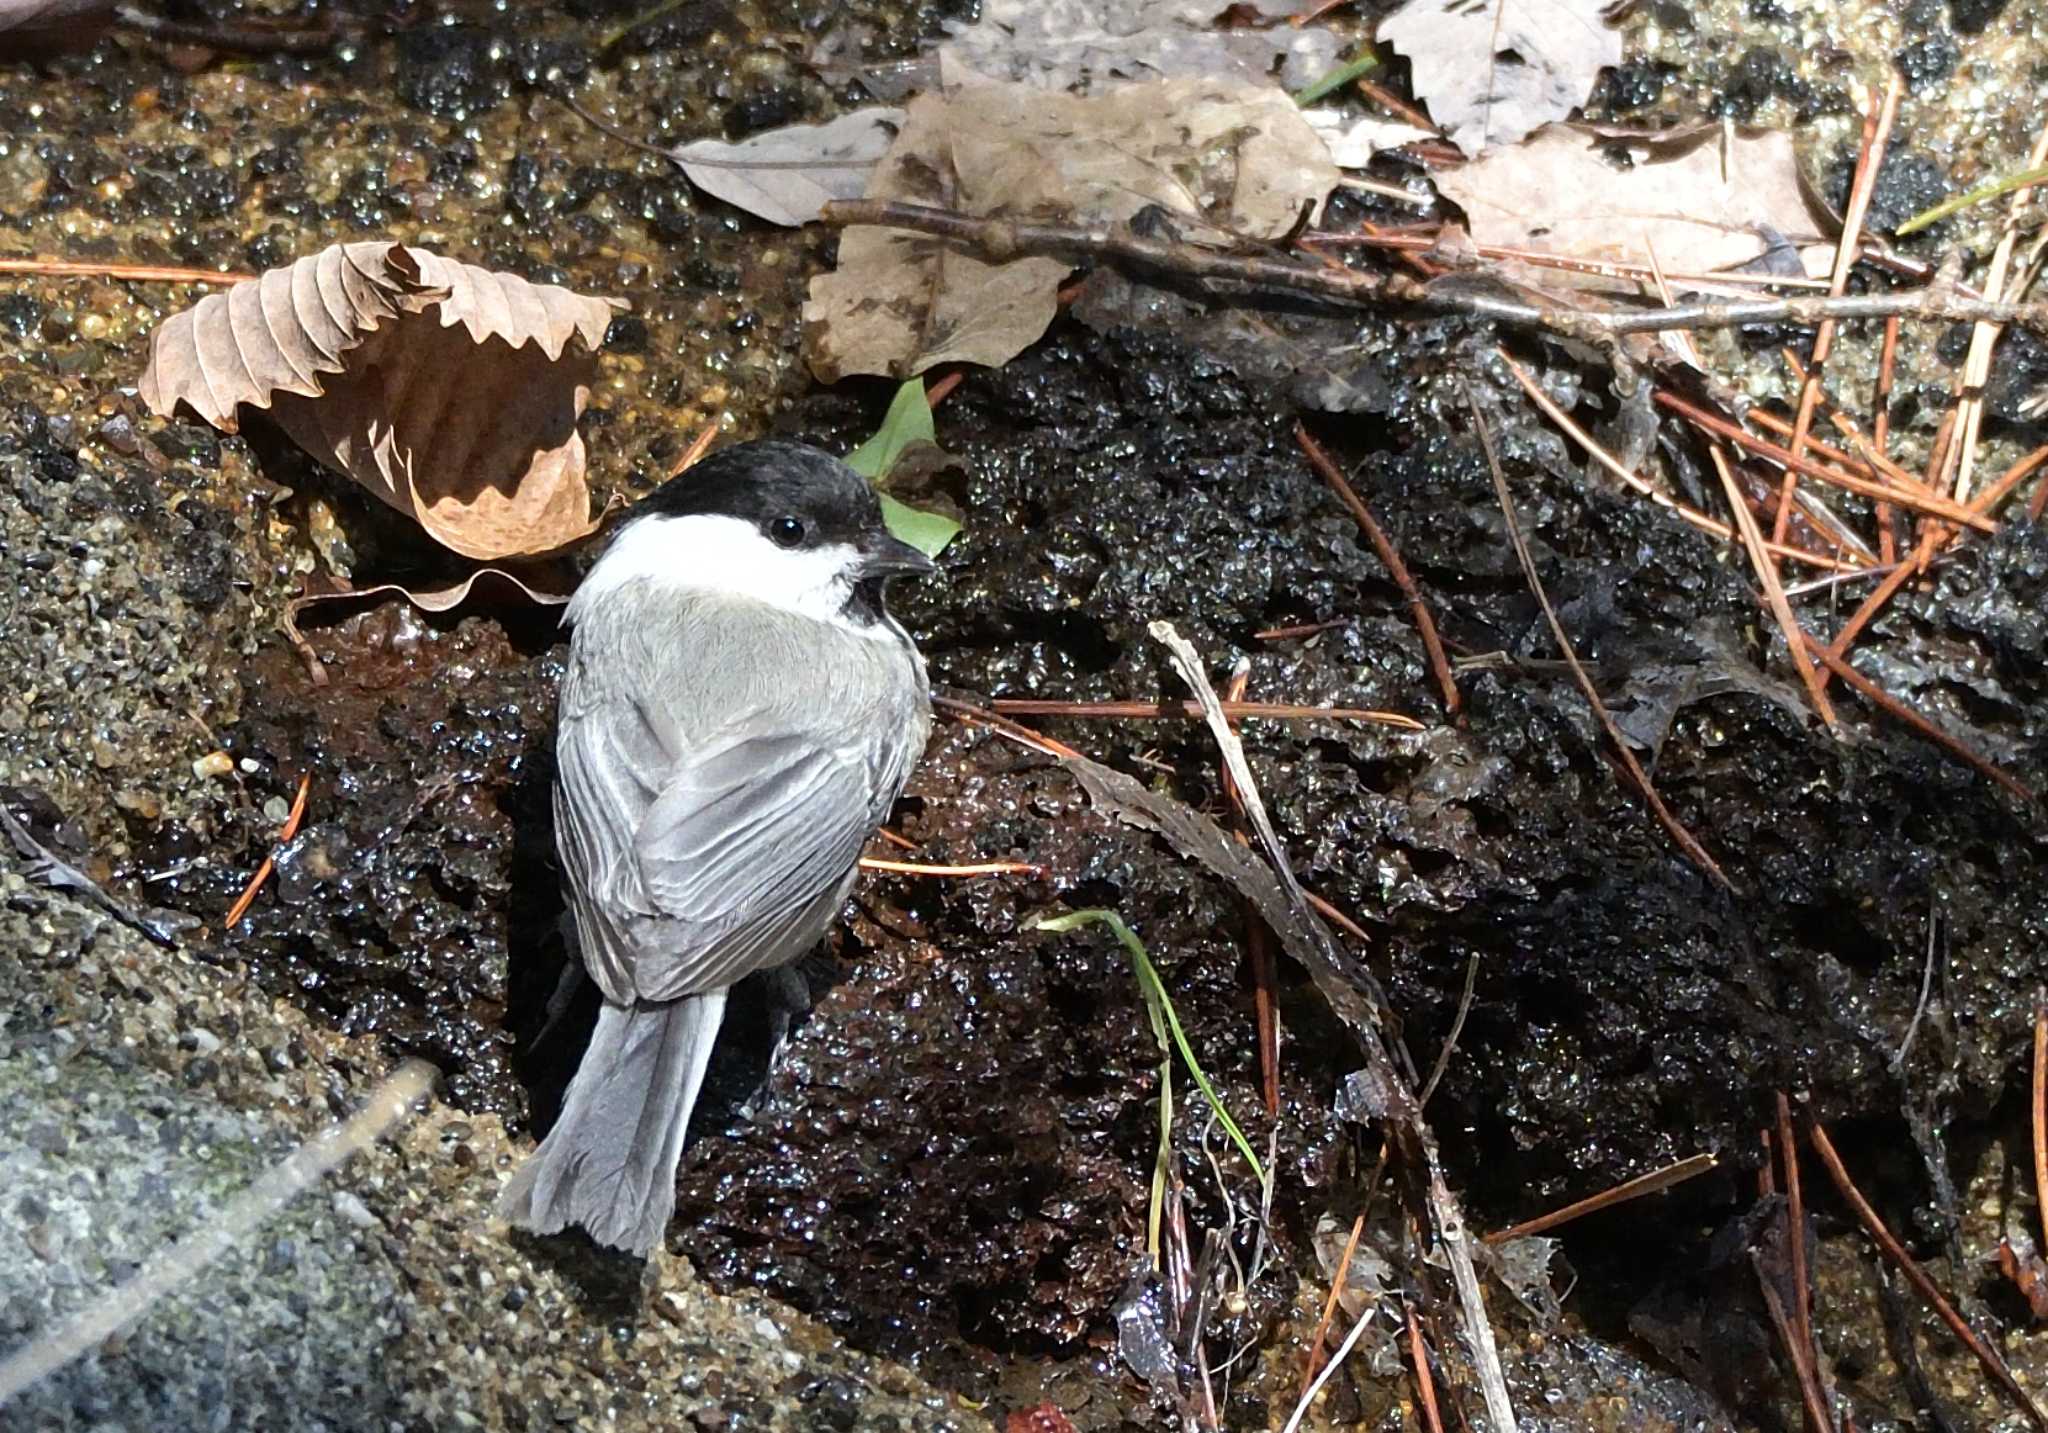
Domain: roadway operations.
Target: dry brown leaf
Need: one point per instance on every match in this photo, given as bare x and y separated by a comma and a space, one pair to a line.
1226, 157
1702, 205
450, 391
1491, 71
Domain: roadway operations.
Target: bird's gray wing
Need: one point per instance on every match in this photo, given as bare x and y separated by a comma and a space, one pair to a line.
700, 864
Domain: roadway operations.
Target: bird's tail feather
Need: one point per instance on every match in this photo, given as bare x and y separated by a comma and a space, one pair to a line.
609, 1164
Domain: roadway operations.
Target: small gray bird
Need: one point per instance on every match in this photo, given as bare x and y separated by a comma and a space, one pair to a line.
739, 714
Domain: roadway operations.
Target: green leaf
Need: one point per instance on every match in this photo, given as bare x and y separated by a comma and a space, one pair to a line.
907, 423
928, 532
909, 420
1343, 75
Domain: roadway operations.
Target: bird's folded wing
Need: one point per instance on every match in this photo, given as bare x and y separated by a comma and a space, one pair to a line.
717, 862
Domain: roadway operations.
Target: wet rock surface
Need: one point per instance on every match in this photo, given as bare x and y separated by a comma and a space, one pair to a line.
948, 1168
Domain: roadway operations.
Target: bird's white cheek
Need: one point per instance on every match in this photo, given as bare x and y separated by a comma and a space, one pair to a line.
706, 553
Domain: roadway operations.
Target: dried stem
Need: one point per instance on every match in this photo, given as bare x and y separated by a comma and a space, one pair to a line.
921, 868
1161, 711
1877, 130
145, 273
1915, 1275
1671, 824
1655, 1182
291, 829
2040, 1112
1390, 558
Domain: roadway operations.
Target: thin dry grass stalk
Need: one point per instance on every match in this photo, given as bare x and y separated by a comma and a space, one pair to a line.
1673, 827
291, 829
1390, 558
1774, 590
1877, 130
1655, 1182
1893, 1250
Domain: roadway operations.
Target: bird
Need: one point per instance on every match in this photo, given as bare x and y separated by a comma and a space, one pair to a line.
738, 713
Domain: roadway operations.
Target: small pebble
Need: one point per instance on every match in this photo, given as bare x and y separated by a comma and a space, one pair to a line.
277, 810
214, 763
349, 1207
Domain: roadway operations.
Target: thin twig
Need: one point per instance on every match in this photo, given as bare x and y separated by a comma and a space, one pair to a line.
1671, 824
1804, 1355
1774, 591
1896, 1252
1607, 460
1303, 629
699, 445
1408, 241
1897, 709
1425, 1386
1162, 711
1877, 131
2040, 1112
920, 868
1655, 1182
1802, 1366
1880, 433
291, 829
1924, 501
1337, 1282
1432, 645
1443, 1056
143, 273
1001, 239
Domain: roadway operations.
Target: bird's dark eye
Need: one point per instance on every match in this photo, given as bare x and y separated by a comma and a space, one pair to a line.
786, 531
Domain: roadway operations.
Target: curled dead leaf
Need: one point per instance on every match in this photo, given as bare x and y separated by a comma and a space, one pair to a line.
450, 391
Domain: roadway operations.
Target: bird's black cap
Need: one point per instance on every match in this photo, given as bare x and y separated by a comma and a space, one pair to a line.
774, 484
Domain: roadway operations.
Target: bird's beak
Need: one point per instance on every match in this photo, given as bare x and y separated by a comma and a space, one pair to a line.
893, 557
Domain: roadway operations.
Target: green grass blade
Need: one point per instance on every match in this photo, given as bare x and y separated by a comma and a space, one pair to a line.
1343, 75
1990, 189
1160, 1006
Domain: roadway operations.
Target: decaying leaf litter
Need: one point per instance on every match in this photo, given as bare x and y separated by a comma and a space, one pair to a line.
1430, 555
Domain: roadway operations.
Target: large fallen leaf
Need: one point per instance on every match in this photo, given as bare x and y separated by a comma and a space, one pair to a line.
1702, 203
1087, 45
1492, 71
451, 392
1227, 157
787, 175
